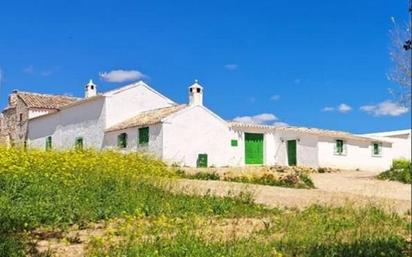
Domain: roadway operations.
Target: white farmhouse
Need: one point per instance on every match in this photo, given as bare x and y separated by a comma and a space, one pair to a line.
138, 118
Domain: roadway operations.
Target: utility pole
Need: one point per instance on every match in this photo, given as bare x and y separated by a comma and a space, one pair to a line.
408, 44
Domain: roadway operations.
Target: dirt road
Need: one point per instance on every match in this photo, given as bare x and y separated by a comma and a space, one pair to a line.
335, 189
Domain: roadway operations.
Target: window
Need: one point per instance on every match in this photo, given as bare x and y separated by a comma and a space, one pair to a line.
376, 149
48, 143
340, 147
143, 136
21, 117
233, 142
122, 140
78, 143
201, 160
198, 90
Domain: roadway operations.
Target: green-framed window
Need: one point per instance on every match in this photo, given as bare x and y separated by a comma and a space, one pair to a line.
340, 147
49, 143
233, 142
143, 136
202, 160
78, 143
122, 140
376, 149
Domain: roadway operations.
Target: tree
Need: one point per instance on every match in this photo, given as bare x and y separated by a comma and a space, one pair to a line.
401, 57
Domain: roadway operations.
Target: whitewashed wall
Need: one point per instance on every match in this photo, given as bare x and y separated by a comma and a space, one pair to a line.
401, 147
38, 112
358, 156
128, 103
85, 120
306, 148
194, 131
269, 150
155, 140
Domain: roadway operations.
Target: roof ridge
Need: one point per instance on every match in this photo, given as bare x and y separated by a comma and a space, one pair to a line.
46, 95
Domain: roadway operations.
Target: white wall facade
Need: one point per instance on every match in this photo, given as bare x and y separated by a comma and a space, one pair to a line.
195, 130
155, 145
38, 112
401, 142
358, 155
127, 103
269, 149
86, 120
306, 148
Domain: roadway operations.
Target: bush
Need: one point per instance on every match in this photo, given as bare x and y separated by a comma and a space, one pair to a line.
400, 171
268, 178
203, 176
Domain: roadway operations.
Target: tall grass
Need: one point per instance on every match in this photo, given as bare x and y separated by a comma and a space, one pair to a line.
316, 231
57, 189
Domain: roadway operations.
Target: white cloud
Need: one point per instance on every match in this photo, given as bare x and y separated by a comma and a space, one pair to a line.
121, 75
252, 99
30, 70
262, 118
275, 97
280, 124
344, 108
297, 81
231, 67
385, 108
328, 109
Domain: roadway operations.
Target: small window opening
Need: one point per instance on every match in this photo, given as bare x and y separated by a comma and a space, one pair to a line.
198, 90
122, 140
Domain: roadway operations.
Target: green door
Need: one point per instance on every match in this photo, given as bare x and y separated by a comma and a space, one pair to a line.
292, 152
253, 148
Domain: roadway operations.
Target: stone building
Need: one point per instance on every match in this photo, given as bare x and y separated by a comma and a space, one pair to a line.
23, 106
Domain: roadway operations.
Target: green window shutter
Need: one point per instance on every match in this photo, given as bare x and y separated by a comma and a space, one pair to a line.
122, 140
376, 149
339, 146
143, 136
233, 142
202, 160
48, 143
78, 145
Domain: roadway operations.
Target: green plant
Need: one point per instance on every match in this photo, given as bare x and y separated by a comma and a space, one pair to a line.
400, 171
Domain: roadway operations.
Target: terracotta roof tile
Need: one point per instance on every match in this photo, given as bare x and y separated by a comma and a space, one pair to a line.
312, 131
35, 100
147, 118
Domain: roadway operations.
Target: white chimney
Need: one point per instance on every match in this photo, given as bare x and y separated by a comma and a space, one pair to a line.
196, 94
90, 89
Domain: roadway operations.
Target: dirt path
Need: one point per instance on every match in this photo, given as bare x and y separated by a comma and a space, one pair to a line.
336, 189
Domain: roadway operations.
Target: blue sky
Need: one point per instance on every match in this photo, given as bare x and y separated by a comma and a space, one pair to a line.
305, 63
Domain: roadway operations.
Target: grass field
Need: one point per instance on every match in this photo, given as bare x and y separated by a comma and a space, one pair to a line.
55, 191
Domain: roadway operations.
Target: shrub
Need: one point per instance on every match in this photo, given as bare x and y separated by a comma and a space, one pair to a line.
269, 178
400, 171
202, 175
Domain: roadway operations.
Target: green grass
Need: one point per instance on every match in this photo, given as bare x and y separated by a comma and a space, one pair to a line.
400, 171
53, 190
316, 231
58, 189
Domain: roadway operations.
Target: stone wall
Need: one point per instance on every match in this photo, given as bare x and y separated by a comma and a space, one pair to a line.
13, 130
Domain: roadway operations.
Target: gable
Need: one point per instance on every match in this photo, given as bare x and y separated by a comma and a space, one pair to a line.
127, 102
